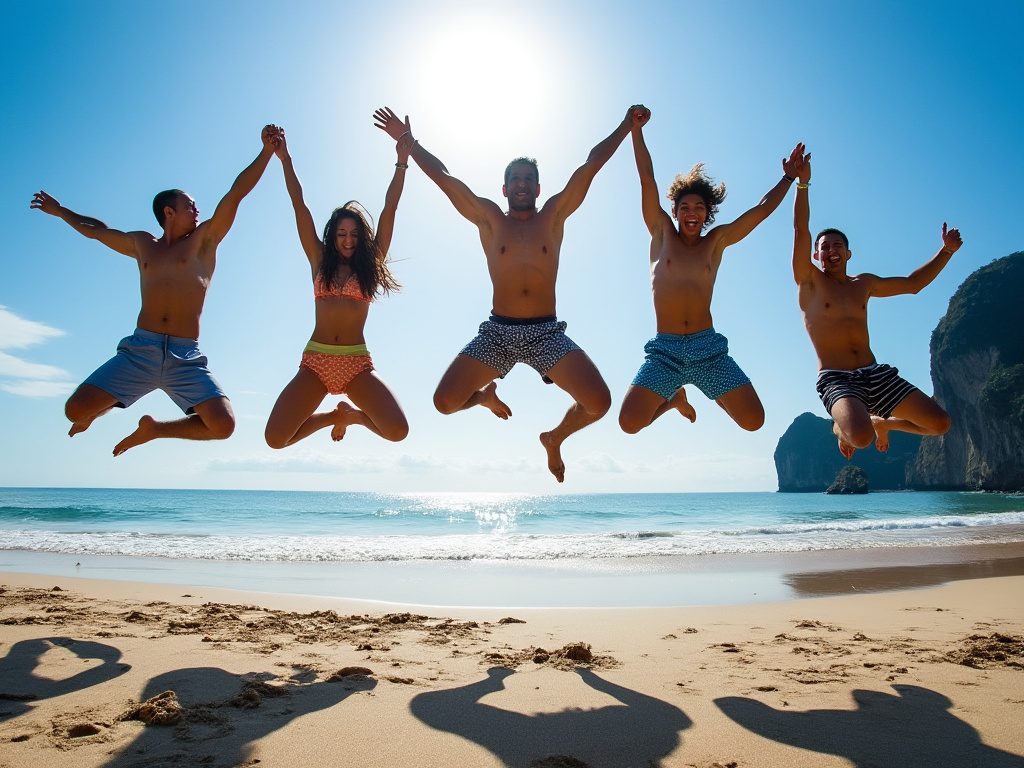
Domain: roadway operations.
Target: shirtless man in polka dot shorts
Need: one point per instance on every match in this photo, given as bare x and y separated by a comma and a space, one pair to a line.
522, 248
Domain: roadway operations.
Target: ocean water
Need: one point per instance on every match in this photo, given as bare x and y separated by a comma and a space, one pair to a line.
310, 527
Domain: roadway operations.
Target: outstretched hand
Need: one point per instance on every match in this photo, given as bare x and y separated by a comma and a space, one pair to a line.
798, 165
43, 202
951, 240
637, 116
385, 119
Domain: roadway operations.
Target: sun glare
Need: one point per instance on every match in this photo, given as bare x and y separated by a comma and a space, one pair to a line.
481, 75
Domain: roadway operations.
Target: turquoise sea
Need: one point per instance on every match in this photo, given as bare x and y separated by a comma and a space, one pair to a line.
407, 546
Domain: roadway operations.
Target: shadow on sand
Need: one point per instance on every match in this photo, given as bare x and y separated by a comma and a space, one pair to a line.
19, 685
912, 729
639, 732
213, 731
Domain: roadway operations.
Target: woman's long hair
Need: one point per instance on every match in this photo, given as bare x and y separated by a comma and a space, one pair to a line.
368, 262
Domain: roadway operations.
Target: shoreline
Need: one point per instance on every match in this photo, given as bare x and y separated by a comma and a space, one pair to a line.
667, 581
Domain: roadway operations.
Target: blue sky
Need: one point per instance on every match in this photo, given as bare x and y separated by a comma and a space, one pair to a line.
910, 111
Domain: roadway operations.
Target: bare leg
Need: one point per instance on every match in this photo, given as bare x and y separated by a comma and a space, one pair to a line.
917, 413
293, 416
852, 425
84, 406
744, 407
466, 383
577, 375
380, 412
213, 420
641, 407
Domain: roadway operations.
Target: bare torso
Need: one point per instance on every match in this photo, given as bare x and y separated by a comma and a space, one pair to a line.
522, 251
683, 280
174, 280
836, 317
339, 319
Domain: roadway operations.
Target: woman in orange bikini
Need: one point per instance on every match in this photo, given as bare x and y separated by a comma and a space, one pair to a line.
349, 269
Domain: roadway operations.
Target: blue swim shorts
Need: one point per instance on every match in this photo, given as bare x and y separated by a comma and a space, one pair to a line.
694, 358
146, 361
540, 342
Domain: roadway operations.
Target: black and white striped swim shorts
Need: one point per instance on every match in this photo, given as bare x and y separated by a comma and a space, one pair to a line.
878, 386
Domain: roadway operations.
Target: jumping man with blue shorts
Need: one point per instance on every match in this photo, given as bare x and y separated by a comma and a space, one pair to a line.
684, 265
163, 353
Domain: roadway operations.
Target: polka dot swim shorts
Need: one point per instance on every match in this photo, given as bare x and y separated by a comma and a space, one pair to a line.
694, 358
504, 341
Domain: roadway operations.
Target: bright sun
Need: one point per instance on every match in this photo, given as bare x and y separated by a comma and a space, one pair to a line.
485, 70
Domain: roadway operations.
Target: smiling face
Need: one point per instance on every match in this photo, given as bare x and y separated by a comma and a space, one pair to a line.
521, 187
346, 236
832, 252
691, 212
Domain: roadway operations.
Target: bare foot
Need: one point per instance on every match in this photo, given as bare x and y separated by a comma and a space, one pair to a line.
681, 404
844, 448
147, 431
489, 399
343, 416
881, 433
554, 449
79, 426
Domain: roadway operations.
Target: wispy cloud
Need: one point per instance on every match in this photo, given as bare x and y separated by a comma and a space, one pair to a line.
22, 377
312, 460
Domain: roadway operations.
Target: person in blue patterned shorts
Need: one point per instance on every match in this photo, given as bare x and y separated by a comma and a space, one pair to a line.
522, 248
684, 265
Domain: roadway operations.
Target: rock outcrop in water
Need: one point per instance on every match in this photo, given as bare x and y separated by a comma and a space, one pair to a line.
978, 374
851, 479
978, 377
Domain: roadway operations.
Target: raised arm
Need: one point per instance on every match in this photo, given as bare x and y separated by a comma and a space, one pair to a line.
923, 275
386, 223
655, 217
311, 244
94, 229
734, 232
476, 209
803, 270
219, 224
569, 199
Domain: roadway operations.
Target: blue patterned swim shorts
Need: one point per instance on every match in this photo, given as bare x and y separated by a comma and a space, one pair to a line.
502, 342
693, 358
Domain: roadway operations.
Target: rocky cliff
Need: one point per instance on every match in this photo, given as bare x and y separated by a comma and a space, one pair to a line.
978, 375
807, 459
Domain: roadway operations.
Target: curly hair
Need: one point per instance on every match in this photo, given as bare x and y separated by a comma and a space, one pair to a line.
522, 161
696, 182
369, 263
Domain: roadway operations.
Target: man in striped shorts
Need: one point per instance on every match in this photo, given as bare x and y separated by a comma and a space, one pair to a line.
865, 399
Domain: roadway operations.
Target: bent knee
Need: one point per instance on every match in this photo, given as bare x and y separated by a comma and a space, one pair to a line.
597, 404
942, 423
221, 427
444, 403
752, 421
395, 432
630, 423
275, 440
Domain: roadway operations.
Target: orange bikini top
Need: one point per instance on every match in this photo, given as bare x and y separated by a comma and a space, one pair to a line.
350, 289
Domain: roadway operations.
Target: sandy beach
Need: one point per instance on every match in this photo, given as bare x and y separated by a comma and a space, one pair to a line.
105, 673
